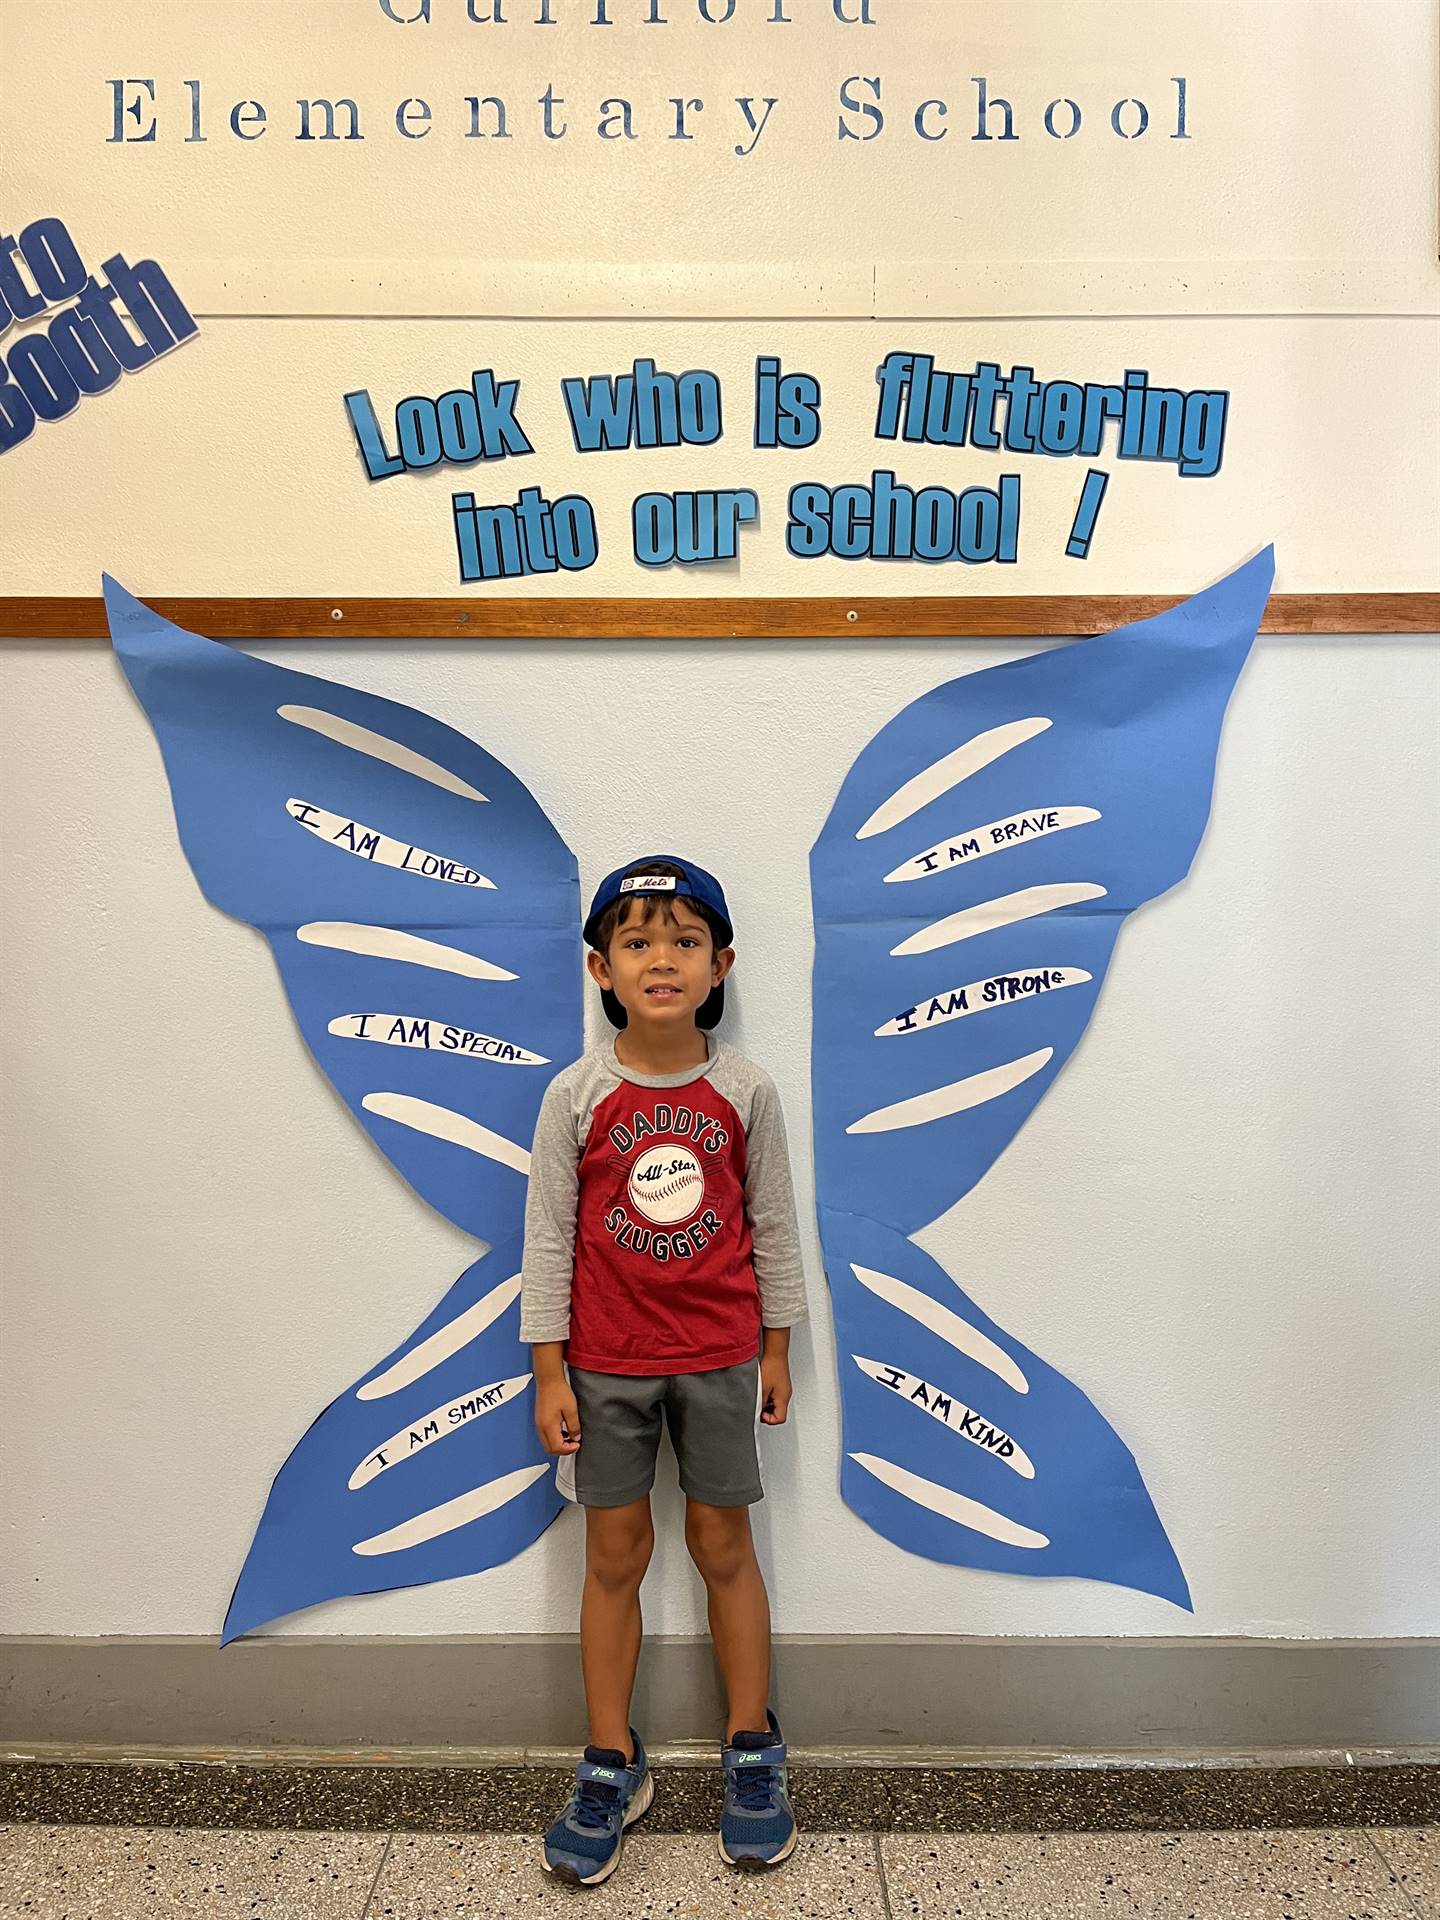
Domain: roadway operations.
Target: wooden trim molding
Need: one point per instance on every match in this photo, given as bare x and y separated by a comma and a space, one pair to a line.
962, 617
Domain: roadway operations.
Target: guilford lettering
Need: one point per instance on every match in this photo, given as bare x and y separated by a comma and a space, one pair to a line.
647, 13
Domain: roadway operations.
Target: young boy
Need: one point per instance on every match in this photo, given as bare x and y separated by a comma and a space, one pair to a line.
662, 1263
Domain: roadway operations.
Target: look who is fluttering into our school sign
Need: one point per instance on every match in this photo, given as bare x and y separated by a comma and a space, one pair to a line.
1012, 415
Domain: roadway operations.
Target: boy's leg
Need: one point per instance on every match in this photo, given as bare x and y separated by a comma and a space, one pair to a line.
618, 1544
724, 1553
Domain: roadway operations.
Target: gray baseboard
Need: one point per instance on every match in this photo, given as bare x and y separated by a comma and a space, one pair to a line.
869, 1695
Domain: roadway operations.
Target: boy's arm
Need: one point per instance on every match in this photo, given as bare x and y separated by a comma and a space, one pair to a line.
548, 1267
770, 1203
548, 1262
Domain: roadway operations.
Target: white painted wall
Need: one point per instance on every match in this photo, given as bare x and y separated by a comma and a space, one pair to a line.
1221, 1223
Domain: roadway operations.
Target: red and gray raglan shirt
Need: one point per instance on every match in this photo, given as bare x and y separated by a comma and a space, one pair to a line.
660, 1229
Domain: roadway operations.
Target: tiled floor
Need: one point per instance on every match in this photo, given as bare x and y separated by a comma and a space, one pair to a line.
124, 1873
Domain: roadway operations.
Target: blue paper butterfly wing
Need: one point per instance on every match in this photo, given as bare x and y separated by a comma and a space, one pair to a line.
415, 1474
423, 914
497, 963
1055, 1490
969, 886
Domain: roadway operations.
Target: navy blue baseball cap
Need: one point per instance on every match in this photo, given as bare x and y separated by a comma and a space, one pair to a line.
685, 878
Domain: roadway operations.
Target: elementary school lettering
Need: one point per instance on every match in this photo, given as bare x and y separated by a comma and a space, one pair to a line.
540, 111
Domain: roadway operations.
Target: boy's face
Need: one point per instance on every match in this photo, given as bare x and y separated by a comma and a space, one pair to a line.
661, 969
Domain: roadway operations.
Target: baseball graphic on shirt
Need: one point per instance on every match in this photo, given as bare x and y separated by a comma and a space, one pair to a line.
666, 1185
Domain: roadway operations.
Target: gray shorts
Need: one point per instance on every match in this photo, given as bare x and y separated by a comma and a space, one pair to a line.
712, 1419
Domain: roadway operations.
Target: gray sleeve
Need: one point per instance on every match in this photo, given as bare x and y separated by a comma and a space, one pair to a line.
548, 1262
770, 1203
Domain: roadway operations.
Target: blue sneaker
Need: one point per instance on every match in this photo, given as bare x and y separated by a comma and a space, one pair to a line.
583, 1845
757, 1828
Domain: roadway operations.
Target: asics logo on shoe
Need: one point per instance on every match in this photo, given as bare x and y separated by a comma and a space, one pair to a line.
602, 1773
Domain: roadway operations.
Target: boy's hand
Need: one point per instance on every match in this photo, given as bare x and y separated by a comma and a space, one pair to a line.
557, 1417
775, 1388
